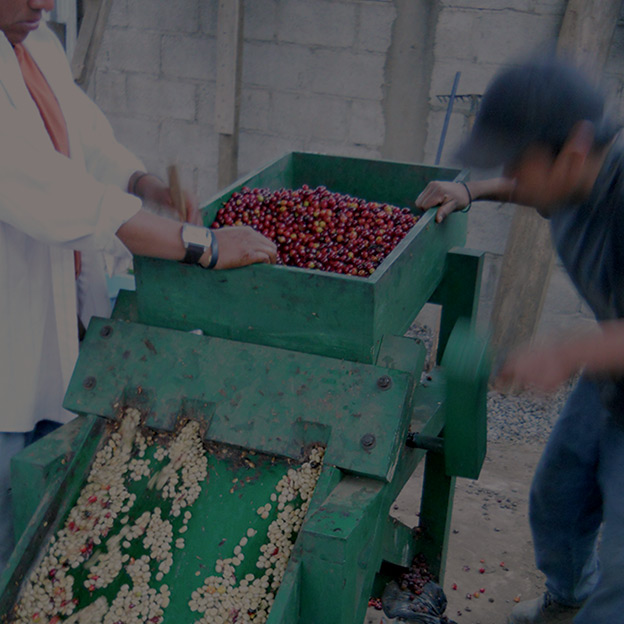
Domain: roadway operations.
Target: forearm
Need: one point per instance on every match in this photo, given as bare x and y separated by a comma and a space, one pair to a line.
493, 189
148, 234
600, 352
451, 196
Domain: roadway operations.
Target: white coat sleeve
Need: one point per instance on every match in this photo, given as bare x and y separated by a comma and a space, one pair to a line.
52, 199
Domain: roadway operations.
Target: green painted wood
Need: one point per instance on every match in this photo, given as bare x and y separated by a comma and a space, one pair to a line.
340, 552
287, 605
257, 397
436, 508
52, 506
466, 367
400, 543
126, 306
458, 292
35, 470
308, 310
402, 353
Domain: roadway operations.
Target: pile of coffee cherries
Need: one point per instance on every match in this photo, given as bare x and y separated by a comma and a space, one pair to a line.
111, 560
319, 229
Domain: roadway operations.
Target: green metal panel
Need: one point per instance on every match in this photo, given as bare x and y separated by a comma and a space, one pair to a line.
302, 309
35, 470
458, 292
436, 507
466, 366
256, 397
375, 180
51, 506
339, 552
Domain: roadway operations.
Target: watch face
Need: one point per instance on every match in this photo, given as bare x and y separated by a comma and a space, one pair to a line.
195, 235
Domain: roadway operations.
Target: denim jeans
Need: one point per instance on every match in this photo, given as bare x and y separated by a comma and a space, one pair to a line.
10, 445
577, 495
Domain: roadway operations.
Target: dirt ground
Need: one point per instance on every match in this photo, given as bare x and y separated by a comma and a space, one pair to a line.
489, 532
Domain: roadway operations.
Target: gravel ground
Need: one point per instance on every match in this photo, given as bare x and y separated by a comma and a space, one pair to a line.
526, 417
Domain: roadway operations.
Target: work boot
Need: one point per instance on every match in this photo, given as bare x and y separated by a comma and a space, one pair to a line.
542, 610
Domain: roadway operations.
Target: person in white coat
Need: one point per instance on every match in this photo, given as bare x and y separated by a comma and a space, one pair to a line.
69, 192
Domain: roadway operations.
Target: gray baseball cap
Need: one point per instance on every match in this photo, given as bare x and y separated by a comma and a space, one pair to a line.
538, 101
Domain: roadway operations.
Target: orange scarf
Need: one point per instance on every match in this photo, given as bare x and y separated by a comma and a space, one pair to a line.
48, 106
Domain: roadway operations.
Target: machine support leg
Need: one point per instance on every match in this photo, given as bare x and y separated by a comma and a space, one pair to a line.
435, 513
458, 292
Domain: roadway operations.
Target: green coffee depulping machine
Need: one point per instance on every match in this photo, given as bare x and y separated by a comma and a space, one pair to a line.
241, 435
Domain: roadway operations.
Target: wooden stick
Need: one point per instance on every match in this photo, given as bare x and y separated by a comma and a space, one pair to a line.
176, 191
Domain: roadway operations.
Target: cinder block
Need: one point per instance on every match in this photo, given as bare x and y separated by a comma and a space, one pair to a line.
110, 91
318, 23
507, 40
189, 143
375, 29
164, 15
254, 113
259, 149
120, 48
280, 66
206, 103
366, 123
118, 15
185, 56
206, 183
484, 5
320, 117
208, 12
347, 74
336, 148
161, 99
140, 136
261, 19
494, 37
549, 7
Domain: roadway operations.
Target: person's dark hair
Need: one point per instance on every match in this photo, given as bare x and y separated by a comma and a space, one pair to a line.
537, 101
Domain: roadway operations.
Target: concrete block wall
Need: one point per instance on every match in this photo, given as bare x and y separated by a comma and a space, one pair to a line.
347, 77
313, 76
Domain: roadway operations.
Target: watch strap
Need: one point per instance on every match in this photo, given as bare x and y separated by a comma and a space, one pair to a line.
214, 252
193, 254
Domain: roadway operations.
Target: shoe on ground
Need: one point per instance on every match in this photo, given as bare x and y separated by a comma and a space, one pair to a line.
542, 610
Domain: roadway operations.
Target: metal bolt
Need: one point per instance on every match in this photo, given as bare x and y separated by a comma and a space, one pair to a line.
368, 441
106, 331
89, 383
384, 382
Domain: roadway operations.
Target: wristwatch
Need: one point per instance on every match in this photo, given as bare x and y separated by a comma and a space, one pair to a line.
197, 240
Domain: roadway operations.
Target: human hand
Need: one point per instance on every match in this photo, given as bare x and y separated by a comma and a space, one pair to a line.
153, 191
542, 369
240, 246
448, 196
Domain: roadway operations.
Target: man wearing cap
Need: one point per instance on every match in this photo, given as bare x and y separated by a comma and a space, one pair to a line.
545, 125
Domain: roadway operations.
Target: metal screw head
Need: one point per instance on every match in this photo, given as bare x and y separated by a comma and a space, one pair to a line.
106, 331
89, 382
384, 382
368, 441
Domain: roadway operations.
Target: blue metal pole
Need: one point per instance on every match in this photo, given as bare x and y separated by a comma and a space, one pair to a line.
449, 110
